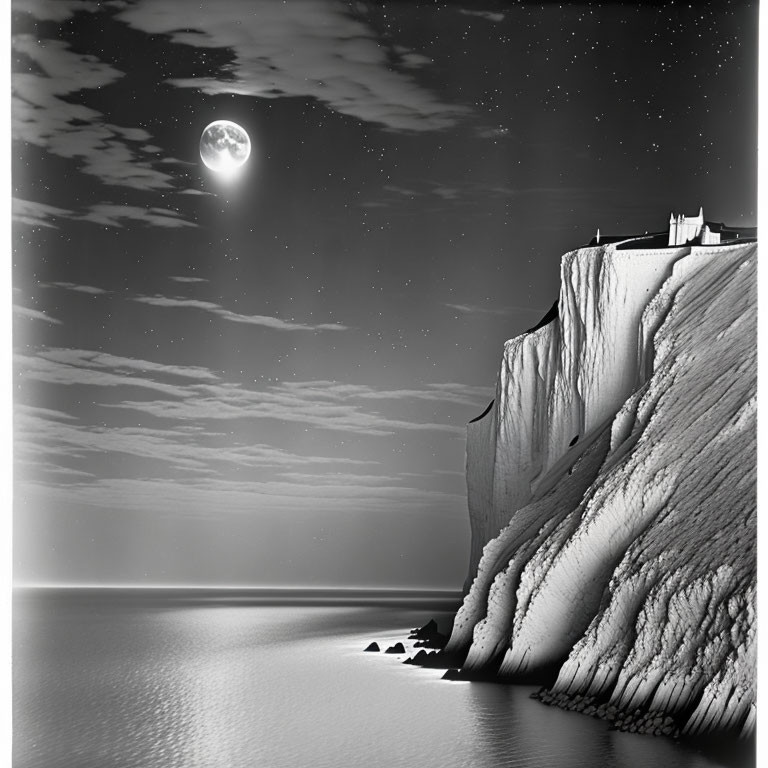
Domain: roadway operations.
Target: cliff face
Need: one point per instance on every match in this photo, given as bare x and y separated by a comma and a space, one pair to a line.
612, 490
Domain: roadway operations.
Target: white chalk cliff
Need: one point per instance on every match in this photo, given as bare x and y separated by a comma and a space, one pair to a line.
612, 493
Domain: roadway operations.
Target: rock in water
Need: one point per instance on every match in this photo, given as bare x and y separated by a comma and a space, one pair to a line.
419, 658
428, 636
421, 633
625, 558
373, 648
396, 648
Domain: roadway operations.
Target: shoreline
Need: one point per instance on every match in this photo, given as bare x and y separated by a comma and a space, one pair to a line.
431, 654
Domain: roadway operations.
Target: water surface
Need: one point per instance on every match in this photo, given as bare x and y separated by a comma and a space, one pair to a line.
107, 679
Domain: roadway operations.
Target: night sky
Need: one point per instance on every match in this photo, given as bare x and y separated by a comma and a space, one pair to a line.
266, 380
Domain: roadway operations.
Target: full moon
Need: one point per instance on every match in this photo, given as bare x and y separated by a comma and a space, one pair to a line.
224, 146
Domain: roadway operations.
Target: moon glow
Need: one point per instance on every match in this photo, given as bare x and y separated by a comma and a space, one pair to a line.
224, 146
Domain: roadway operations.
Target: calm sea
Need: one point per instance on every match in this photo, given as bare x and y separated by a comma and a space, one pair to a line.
150, 679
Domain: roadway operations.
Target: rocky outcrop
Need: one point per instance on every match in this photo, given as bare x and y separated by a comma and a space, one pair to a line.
428, 636
397, 648
612, 492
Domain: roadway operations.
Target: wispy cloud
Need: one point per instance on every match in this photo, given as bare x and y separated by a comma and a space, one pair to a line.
487, 15
448, 392
493, 132
404, 191
42, 413
90, 289
182, 448
34, 314
199, 470
46, 468
316, 404
473, 309
39, 432
472, 190
183, 279
89, 359
83, 367
411, 60
46, 10
265, 321
37, 214
447, 193
459, 192
308, 48
331, 478
213, 498
194, 395
110, 215
105, 214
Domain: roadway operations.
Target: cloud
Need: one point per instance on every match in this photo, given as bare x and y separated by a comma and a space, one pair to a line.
472, 309
105, 361
459, 192
45, 10
37, 214
473, 191
305, 48
317, 404
90, 289
183, 279
49, 467
44, 413
34, 314
193, 395
342, 478
105, 214
493, 132
405, 192
182, 449
447, 392
234, 317
487, 15
211, 498
413, 60
42, 116
447, 193
69, 367
110, 215
43, 432
47, 112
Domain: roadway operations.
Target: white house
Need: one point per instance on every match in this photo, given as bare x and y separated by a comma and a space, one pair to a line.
683, 229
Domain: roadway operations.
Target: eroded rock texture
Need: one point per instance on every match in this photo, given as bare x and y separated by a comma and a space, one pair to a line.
612, 491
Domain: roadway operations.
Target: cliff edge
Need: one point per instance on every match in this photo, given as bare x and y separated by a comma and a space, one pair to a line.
612, 498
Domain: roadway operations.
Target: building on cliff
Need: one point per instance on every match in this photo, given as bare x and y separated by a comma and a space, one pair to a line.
682, 230
685, 229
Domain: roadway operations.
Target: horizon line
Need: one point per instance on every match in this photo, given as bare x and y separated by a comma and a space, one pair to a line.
242, 587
